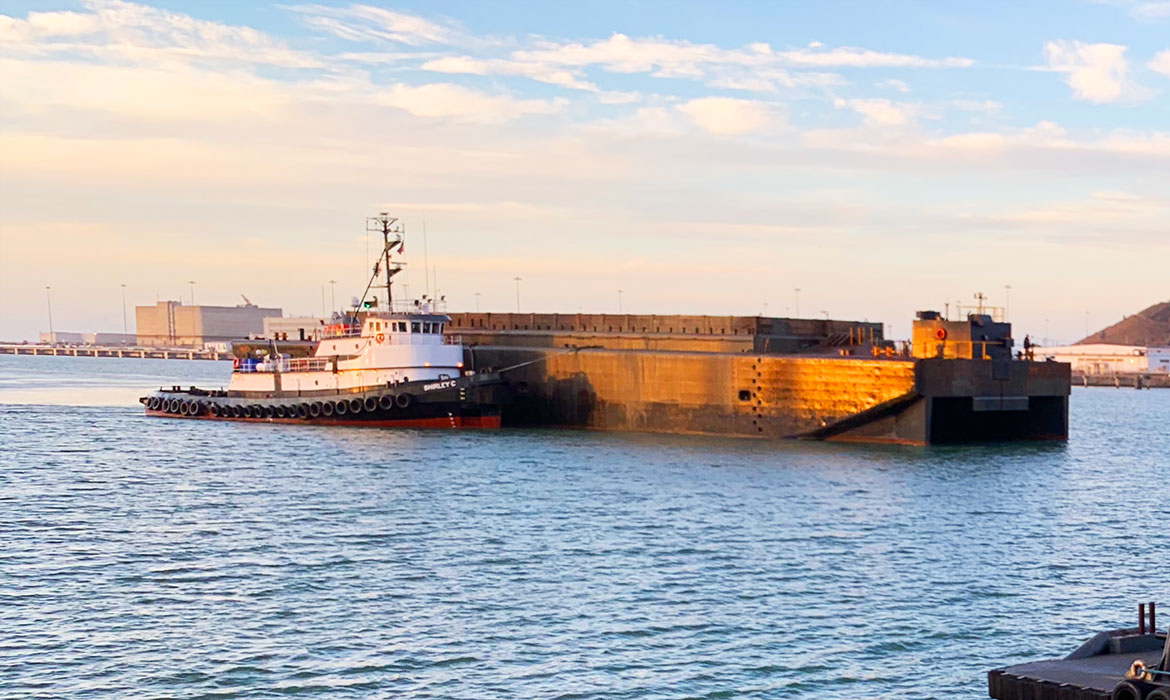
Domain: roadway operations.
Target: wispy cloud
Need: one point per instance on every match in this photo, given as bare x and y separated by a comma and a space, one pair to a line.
368, 23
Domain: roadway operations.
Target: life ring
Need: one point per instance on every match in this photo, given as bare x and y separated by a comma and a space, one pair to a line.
940, 333
236, 363
381, 338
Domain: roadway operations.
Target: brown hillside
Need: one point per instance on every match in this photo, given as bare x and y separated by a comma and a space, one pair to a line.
1148, 327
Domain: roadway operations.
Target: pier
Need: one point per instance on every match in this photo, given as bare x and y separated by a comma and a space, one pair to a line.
1124, 380
108, 351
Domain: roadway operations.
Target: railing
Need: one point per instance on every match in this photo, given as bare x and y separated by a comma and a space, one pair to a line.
341, 330
294, 364
452, 339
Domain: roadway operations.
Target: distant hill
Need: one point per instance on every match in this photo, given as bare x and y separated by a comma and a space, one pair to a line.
1148, 327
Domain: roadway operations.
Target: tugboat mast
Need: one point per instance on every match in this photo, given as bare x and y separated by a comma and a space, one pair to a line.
393, 236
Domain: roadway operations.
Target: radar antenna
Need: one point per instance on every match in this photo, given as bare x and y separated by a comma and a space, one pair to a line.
393, 241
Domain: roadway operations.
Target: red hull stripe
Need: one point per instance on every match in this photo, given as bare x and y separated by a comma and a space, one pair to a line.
440, 422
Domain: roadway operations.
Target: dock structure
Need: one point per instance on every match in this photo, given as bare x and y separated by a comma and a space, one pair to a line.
769, 377
115, 351
1123, 664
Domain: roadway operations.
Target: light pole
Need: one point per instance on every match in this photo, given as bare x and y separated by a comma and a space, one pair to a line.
49, 304
1045, 332
619, 301
333, 295
323, 313
124, 328
192, 283
797, 290
1086, 323
477, 302
1007, 302
517, 281
826, 313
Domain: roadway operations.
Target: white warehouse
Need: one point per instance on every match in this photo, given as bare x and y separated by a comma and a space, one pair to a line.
1104, 358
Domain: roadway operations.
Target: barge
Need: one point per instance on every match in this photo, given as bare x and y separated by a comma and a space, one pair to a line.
956, 381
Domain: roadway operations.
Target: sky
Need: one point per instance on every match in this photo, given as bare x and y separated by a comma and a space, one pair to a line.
700, 157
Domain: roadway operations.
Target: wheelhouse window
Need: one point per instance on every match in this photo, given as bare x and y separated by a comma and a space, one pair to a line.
414, 327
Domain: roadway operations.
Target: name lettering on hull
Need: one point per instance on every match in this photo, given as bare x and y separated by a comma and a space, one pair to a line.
447, 384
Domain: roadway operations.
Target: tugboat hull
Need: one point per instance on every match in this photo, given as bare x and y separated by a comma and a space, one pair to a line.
467, 402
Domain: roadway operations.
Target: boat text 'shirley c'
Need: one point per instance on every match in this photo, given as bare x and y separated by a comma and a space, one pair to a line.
387, 366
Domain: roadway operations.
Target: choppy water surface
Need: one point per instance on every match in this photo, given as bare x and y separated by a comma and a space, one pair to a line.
157, 558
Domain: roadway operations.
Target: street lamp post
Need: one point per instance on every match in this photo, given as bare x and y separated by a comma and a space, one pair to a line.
192, 283
620, 301
477, 302
517, 281
333, 295
797, 290
1007, 302
49, 304
124, 327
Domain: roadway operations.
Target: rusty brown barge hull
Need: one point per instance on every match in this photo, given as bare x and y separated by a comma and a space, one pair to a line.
565, 374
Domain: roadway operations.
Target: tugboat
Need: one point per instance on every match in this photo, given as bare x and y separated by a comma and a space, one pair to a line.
392, 368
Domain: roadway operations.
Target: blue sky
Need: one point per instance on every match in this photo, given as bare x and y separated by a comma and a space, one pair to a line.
702, 157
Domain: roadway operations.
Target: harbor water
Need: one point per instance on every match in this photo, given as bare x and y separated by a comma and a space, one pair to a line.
166, 558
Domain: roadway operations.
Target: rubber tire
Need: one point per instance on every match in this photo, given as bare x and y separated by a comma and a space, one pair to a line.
386, 402
370, 404
327, 409
279, 411
314, 409
340, 408
356, 406
303, 411
197, 408
1159, 694
235, 411
213, 409
1126, 690
269, 411
185, 408
403, 400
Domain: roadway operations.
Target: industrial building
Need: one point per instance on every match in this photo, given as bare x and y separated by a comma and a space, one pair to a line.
171, 324
1108, 359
